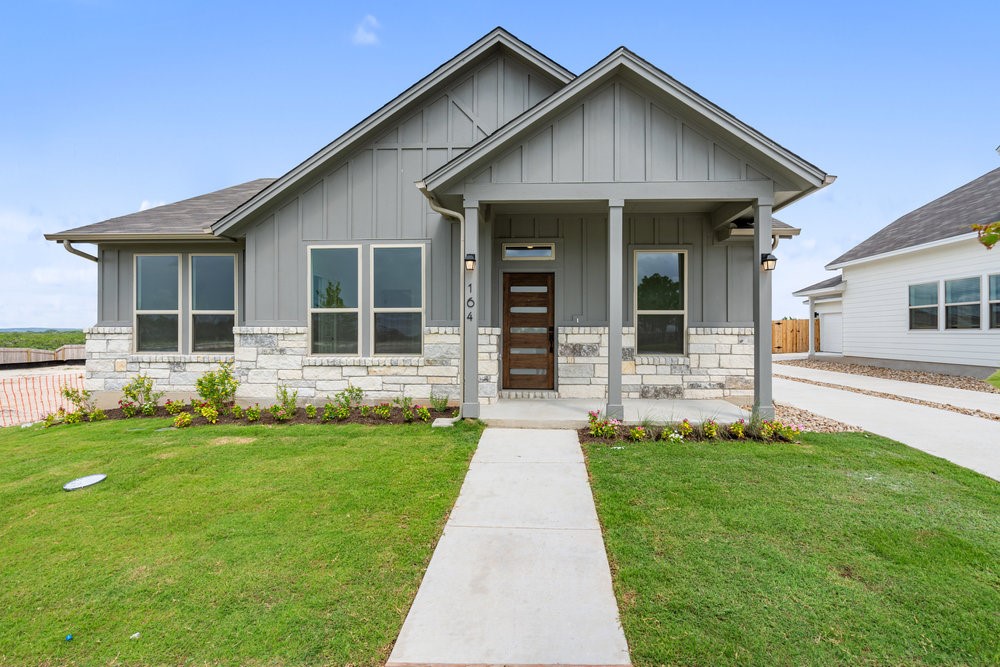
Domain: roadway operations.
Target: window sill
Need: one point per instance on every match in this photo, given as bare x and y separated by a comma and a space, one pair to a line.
662, 360
363, 361
175, 357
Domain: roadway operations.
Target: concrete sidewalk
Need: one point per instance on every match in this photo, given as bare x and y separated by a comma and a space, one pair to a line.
962, 398
520, 576
972, 442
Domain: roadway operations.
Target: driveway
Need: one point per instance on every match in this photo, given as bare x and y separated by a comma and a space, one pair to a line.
969, 441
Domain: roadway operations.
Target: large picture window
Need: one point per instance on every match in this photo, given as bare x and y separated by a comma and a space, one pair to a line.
994, 305
157, 303
213, 302
660, 302
924, 306
397, 299
962, 303
334, 287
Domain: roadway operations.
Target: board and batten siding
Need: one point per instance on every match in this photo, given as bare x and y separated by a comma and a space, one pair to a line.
719, 275
619, 134
876, 302
369, 195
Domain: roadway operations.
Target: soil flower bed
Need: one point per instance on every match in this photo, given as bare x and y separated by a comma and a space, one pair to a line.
604, 430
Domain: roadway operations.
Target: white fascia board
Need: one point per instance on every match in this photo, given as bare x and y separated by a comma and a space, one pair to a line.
827, 292
903, 251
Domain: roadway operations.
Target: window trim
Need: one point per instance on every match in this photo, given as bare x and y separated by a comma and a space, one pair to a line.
944, 304
518, 244
635, 298
309, 296
371, 296
236, 298
135, 302
990, 301
939, 297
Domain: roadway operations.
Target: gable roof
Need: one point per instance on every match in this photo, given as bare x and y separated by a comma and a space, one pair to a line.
187, 219
829, 285
619, 59
498, 37
947, 217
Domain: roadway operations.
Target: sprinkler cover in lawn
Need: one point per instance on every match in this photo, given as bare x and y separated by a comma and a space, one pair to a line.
84, 482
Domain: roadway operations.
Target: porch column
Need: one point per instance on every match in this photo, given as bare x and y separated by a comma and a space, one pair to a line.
614, 408
763, 401
812, 328
470, 315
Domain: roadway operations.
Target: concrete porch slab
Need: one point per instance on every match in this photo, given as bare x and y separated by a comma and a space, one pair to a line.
572, 412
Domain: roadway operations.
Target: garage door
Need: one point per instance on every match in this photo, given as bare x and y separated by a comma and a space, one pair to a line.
831, 332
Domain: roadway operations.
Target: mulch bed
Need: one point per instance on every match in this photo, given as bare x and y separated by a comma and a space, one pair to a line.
396, 417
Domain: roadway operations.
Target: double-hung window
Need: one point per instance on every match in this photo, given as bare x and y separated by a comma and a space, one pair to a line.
157, 303
962, 303
924, 306
660, 301
994, 305
397, 299
335, 288
213, 302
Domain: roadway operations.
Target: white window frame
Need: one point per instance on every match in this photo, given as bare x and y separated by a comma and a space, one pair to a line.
236, 297
423, 296
135, 301
635, 297
943, 312
309, 296
939, 292
515, 244
990, 301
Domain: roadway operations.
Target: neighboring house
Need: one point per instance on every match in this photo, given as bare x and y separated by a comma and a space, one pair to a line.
920, 293
472, 238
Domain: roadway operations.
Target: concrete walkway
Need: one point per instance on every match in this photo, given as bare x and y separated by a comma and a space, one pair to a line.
520, 576
962, 398
972, 442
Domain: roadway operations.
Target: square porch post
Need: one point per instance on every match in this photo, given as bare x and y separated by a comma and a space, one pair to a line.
812, 329
763, 401
470, 315
614, 408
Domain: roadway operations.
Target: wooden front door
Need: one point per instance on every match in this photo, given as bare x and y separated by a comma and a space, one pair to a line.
529, 331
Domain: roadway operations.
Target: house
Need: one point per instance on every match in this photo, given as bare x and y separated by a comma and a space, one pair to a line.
922, 292
472, 238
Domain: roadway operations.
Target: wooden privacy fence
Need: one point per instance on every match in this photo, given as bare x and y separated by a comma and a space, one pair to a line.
27, 355
28, 398
792, 336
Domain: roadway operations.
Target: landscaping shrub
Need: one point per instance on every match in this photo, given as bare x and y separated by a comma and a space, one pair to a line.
311, 411
738, 430
637, 433
423, 414
182, 420
287, 402
210, 414
129, 408
139, 392
383, 410
218, 388
439, 403
173, 407
97, 415
253, 413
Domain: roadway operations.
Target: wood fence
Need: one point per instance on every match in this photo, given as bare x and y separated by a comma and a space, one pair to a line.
792, 336
27, 355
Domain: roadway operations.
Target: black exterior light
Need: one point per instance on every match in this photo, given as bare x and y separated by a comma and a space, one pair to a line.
470, 262
768, 261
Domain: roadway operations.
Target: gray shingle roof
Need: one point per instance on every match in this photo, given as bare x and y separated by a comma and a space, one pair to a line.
976, 202
823, 284
186, 218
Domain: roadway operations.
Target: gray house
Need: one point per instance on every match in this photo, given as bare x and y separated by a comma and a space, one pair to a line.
472, 238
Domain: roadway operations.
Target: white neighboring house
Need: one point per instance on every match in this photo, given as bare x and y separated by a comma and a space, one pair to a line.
922, 292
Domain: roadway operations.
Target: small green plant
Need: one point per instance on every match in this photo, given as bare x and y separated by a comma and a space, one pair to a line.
346, 401
637, 433
383, 411
365, 411
671, 436
54, 418
210, 414
439, 403
173, 407
218, 387
738, 430
148, 409
80, 398
311, 411
287, 400
405, 405
775, 431
329, 412
74, 417
253, 413
606, 429
236, 412
97, 415
129, 409
710, 429
422, 413
280, 413
685, 429
183, 419
139, 391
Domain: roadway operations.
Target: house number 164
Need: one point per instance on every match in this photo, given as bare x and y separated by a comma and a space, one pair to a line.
470, 304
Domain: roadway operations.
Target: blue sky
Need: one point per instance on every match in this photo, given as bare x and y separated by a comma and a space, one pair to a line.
111, 105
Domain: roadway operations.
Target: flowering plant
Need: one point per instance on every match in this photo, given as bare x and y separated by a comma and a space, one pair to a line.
637, 433
710, 429
738, 429
685, 429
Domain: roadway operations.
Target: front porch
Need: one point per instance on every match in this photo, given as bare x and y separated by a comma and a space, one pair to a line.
572, 412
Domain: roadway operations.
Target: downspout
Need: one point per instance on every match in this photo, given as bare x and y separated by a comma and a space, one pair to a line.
454, 215
79, 253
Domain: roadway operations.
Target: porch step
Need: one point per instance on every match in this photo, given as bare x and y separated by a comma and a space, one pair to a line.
528, 393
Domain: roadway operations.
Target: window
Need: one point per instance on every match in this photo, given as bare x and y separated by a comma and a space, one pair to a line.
660, 296
397, 299
961, 303
213, 302
994, 305
157, 304
335, 279
529, 251
924, 306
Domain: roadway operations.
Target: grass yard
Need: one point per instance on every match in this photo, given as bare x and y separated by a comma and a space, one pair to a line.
994, 379
845, 549
41, 340
228, 545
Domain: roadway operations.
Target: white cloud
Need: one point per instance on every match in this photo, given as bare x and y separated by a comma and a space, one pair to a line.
147, 204
364, 33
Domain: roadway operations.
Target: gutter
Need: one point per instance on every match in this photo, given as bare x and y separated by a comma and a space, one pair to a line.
79, 253
454, 215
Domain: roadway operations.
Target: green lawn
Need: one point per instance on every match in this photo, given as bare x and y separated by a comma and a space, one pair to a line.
994, 379
238, 545
846, 549
41, 340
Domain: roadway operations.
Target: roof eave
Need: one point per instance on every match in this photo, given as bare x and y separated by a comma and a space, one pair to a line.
902, 251
114, 238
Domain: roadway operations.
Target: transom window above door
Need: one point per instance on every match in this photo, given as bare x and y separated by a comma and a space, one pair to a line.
660, 301
529, 251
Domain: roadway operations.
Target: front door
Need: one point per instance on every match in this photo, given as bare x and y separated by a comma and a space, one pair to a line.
528, 331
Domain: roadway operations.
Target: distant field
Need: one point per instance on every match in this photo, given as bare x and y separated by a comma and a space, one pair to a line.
41, 340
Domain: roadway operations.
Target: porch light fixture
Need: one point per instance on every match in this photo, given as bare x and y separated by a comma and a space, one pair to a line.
470, 262
768, 261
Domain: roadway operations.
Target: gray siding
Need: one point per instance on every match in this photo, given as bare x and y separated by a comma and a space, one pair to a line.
370, 194
719, 276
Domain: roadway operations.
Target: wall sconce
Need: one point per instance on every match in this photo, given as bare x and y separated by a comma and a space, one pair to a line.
470, 262
768, 261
